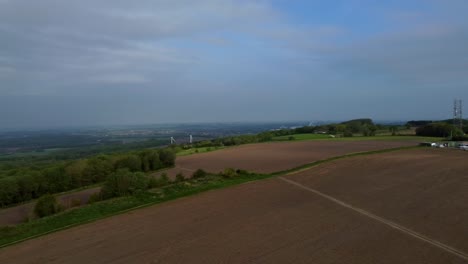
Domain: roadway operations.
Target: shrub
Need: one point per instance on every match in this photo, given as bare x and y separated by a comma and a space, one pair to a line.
180, 177
95, 197
75, 202
164, 179
229, 173
242, 172
160, 181
347, 133
46, 205
199, 174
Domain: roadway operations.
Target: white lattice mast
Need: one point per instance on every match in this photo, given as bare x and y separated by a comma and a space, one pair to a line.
458, 113
173, 141
191, 139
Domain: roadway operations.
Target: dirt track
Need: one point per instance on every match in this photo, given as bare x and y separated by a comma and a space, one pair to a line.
272, 221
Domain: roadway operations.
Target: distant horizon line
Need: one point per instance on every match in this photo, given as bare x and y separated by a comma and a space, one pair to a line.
123, 125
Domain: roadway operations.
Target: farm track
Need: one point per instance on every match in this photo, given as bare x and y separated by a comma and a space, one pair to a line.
272, 221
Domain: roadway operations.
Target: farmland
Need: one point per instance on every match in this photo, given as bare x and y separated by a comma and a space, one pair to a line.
259, 158
278, 156
284, 219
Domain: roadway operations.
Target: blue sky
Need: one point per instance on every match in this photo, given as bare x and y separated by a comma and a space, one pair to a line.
153, 61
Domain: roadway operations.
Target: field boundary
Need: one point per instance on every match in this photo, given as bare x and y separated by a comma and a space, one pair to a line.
389, 223
263, 176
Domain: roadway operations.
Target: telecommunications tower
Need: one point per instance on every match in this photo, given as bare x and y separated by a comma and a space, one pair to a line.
458, 113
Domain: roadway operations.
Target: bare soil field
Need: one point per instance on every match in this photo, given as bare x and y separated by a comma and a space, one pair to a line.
276, 156
425, 189
262, 158
273, 221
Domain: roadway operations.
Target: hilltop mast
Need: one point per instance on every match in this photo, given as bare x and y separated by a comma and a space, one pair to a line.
458, 113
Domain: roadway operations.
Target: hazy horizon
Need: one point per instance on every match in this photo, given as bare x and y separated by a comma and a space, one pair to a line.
88, 63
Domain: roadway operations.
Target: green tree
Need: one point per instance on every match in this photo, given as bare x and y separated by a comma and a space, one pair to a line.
131, 162
167, 157
75, 171
97, 169
46, 205
437, 130
150, 160
8, 191
124, 182
57, 180
28, 186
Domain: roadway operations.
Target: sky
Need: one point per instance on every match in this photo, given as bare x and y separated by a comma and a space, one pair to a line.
107, 62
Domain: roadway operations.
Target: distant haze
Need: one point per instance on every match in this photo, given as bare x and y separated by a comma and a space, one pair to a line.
74, 63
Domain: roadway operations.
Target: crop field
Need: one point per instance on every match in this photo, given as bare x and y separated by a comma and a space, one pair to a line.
405, 206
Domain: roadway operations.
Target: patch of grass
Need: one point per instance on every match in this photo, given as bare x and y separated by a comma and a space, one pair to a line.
106, 208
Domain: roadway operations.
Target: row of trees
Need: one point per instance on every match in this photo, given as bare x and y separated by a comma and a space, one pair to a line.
24, 185
364, 126
440, 130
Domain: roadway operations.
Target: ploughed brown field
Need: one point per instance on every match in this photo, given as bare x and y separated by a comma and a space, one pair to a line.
264, 158
276, 156
322, 215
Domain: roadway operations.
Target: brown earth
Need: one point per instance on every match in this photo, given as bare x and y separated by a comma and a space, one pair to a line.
263, 158
276, 156
272, 221
425, 190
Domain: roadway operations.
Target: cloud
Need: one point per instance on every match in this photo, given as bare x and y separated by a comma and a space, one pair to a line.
58, 44
273, 58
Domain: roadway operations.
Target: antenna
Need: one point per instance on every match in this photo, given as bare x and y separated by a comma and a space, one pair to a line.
457, 113
191, 139
173, 141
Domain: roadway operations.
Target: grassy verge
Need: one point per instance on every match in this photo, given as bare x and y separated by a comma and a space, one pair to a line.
86, 214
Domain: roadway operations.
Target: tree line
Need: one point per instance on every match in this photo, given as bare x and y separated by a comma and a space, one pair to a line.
364, 126
20, 185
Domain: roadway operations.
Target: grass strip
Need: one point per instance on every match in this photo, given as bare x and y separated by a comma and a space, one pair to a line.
11, 235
